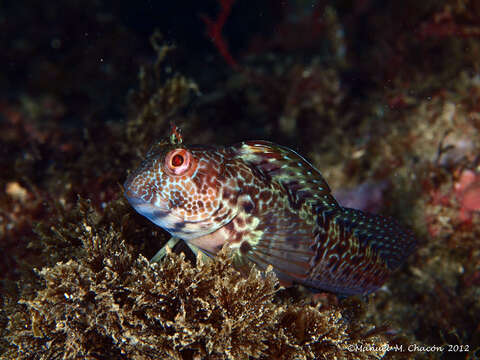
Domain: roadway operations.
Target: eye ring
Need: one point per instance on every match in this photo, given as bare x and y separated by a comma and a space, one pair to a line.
178, 161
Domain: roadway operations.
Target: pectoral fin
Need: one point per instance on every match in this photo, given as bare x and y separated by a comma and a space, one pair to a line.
163, 251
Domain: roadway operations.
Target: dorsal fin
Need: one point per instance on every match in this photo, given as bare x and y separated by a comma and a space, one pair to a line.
302, 181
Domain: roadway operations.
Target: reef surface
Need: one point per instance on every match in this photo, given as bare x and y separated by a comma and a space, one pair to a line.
382, 97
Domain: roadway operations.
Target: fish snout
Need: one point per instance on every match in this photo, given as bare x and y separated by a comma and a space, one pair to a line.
134, 199
135, 191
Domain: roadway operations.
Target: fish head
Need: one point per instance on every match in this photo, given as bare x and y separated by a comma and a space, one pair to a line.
178, 188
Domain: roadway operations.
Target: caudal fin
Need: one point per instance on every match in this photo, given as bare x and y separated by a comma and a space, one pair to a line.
383, 235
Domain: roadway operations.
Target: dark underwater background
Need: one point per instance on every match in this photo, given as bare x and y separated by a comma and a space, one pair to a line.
383, 97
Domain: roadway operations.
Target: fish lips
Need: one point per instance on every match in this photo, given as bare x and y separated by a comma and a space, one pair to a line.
155, 212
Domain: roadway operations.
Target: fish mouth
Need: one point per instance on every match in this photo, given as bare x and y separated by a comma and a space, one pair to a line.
153, 212
144, 203
134, 200
160, 212
139, 201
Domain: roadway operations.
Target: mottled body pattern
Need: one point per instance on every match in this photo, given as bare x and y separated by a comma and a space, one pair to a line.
271, 207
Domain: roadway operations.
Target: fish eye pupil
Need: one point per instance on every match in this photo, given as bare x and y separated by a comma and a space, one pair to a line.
177, 160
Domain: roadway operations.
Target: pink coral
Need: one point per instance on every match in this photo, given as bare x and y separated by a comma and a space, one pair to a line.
454, 205
467, 192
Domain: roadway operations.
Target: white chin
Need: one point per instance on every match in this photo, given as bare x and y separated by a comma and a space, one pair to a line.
153, 213
168, 220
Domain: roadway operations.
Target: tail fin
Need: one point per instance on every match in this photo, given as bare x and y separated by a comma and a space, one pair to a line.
383, 235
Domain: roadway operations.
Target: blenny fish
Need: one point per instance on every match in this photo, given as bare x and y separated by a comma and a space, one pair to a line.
270, 206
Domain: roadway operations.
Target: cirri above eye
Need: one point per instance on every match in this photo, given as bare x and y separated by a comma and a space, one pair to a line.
178, 161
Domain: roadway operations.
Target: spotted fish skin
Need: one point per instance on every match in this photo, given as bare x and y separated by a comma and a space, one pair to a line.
271, 207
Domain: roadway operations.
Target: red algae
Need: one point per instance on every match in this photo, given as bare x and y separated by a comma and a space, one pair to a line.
467, 190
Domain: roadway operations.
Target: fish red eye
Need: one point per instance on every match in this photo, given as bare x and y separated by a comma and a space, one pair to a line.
178, 161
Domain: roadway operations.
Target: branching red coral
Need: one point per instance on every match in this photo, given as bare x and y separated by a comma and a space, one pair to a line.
214, 31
